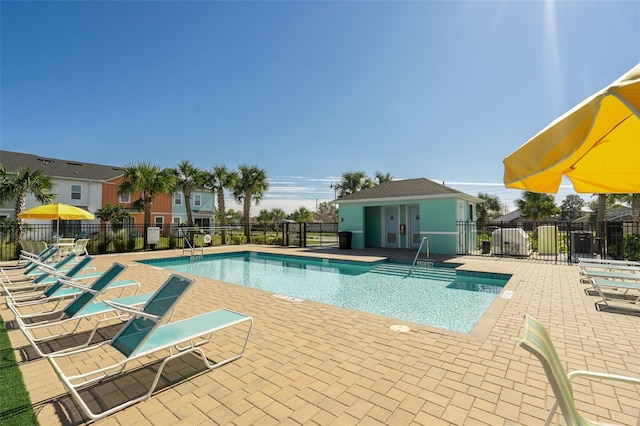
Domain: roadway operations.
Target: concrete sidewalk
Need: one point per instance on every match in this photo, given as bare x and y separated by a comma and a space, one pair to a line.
310, 363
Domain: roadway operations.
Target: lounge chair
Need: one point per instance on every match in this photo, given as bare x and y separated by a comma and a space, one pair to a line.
80, 248
621, 266
610, 275
37, 326
46, 269
537, 341
32, 280
144, 335
32, 248
39, 284
28, 249
68, 286
602, 284
66, 245
613, 262
26, 246
28, 262
38, 246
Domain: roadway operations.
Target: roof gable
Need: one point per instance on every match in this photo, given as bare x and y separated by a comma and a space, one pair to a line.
406, 188
58, 168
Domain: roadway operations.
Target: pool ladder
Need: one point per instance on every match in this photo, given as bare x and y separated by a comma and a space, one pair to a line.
196, 250
421, 263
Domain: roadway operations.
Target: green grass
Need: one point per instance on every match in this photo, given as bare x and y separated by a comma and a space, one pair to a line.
15, 405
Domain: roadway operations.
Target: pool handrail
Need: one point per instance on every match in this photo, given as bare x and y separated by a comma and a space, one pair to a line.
418, 253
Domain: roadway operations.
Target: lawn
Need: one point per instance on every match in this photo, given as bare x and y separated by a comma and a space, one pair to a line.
15, 405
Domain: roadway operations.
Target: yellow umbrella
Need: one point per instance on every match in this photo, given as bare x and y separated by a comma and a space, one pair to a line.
56, 212
596, 145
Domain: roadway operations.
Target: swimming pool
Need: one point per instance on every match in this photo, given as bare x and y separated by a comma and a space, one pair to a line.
440, 297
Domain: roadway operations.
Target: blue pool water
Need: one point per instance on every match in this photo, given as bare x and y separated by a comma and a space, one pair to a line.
439, 297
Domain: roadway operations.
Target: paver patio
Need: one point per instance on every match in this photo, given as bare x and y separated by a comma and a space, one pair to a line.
310, 363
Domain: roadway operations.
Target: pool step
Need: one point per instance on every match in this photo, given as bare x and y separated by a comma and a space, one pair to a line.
418, 272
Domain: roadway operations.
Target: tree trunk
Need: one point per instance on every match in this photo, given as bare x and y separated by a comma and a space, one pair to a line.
187, 200
223, 215
247, 216
21, 203
601, 216
635, 208
147, 221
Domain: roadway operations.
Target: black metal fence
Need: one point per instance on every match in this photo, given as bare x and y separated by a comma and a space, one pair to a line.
111, 239
551, 241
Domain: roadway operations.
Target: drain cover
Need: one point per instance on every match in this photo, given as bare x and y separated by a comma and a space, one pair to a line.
400, 328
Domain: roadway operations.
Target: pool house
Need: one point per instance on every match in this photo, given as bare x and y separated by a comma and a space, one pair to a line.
401, 213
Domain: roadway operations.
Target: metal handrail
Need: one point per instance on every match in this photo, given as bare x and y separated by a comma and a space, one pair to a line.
197, 246
418, 253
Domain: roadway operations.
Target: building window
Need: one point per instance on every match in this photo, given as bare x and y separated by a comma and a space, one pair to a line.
202, 222
176, 220
159, 221
125, 198
76, 192
177, 198
197, 200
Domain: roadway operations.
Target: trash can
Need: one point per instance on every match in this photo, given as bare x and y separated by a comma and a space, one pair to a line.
581, 242
486, 247
344, 238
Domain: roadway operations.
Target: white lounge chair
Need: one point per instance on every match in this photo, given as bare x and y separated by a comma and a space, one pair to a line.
80, 248
613, 262
27, 263
144, 335
38, 327
37, 284
601, 285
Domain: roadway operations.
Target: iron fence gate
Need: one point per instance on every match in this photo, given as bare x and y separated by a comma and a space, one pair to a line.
107, 238
551, 241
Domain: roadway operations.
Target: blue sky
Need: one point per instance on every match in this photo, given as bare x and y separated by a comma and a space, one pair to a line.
305, 90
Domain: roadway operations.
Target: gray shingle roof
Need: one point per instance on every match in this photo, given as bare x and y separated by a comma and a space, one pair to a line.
59, 168
407, 188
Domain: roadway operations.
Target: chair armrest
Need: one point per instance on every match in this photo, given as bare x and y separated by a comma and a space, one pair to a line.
605, 376
131, 310
69, 282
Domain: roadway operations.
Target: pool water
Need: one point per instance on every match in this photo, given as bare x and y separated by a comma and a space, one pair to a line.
440, 296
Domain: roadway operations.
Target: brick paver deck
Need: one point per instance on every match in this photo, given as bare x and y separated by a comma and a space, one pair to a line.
310, 363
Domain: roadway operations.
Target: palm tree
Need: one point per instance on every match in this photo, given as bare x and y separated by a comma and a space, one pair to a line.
302, 215
114, 213
188, 178
149, 180
633, 200
264, 216
353, 182
16, 186
250, 187
218, 180
382, 178
277, 214
536, 206
490, 209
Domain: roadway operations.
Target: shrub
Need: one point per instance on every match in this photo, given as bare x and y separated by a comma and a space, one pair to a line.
238, 239
99, 243
259, 239
632, 246
276, 241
